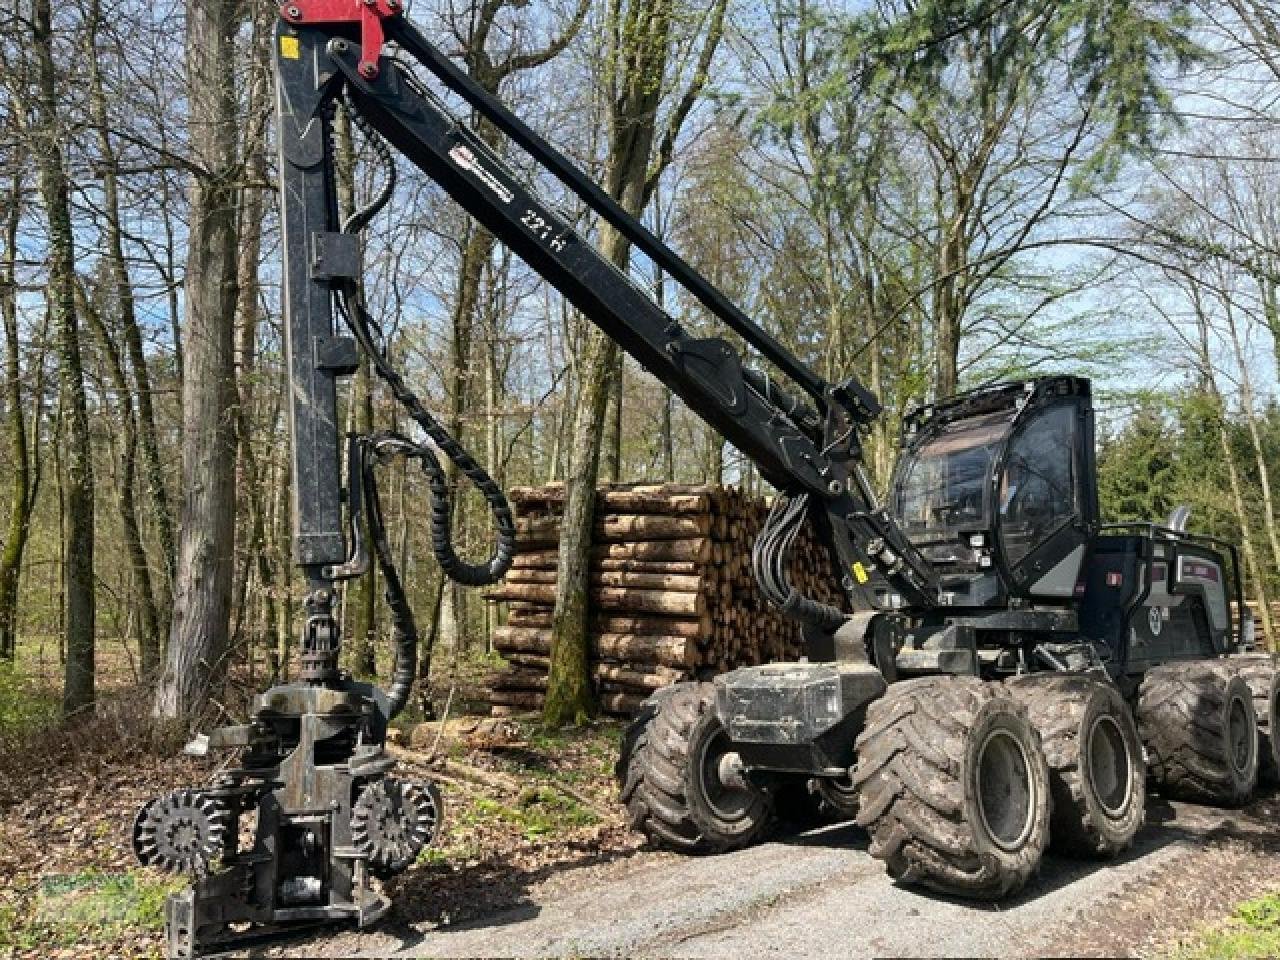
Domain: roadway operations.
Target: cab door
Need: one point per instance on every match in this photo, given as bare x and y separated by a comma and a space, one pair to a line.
1042, 518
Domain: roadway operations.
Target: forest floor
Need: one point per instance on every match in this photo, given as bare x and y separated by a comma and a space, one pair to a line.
535, 860
521, 805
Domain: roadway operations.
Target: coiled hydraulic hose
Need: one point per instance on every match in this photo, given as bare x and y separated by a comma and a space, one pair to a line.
452, 565
404, 629
362, 327
770, 556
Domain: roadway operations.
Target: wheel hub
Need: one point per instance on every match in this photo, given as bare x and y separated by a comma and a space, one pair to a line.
723, 779
1006, 791
1110, 765
1240, 735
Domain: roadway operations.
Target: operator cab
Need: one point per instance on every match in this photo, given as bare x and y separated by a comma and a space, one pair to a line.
996, 488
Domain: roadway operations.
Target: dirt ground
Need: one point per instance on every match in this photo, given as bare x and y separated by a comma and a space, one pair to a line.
819, 894
535, 860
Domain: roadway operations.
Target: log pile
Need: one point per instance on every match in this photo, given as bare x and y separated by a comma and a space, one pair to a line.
1252, 606
672, 593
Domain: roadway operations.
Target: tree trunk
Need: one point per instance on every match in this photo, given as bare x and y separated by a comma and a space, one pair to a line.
570, 699
640, 47
1248, 408
251, 465
148, 616
123, 286
1220, 426
20, 499
196, 659
77, 484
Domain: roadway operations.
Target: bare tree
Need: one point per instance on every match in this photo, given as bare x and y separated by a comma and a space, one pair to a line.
46, 135
640, 48
22, 495
196, 657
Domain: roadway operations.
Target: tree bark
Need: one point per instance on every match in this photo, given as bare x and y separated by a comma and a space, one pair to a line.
1220, 426
196, 660
640, 48
148, 615
15, 422
122, 284
77, 483
252, 465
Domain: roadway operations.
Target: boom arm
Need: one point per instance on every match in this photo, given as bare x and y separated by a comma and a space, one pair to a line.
809, 449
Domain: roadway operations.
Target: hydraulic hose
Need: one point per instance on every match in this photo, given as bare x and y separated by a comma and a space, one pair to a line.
769, 558
453, 566
362, 326
404, 628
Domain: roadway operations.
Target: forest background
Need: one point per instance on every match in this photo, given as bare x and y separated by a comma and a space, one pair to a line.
930, 195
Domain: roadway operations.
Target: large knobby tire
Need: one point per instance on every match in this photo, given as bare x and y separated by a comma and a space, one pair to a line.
1260, 672
1198, 725
680, 780
1096, 773
953, 786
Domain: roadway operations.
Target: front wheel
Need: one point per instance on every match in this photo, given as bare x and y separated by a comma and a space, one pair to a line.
1260, 673
953, 787
682, 781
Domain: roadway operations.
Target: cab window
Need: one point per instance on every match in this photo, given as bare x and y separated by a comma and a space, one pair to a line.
1037, 488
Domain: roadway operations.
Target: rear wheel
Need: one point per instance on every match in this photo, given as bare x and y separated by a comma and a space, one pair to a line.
1197, 722
837, 797
1260, 673
953, 786
816, 801
682, 781
1096, 773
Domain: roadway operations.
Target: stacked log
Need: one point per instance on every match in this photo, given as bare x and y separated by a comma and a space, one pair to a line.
1256, 615
671, 590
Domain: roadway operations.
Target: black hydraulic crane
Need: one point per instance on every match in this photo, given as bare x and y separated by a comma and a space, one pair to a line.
978, 590
313, 766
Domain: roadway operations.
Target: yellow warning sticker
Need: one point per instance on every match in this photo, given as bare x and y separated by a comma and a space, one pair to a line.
860, 572
289, 48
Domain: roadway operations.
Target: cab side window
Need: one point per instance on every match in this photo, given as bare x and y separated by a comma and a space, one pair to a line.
1038, 489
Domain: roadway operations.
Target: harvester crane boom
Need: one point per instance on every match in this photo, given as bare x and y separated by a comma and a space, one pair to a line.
314, 772
806, 445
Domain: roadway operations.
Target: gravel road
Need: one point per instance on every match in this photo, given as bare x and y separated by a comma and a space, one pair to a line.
819, 894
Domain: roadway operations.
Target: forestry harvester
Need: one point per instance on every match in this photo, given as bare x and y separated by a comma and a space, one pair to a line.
974, 699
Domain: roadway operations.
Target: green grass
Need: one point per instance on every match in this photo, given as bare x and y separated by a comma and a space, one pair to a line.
538, 812
1251, 933
85, 908
26, 705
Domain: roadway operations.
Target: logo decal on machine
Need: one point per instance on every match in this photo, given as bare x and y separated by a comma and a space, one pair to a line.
1195, 569
463, 157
